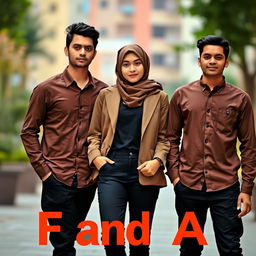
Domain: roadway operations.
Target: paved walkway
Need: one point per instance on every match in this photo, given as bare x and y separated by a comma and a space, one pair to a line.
19, 229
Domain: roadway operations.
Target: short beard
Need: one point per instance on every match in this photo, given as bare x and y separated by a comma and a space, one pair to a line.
75, 65
78, 66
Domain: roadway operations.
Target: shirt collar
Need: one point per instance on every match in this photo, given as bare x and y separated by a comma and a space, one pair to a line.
69, 80
216, 88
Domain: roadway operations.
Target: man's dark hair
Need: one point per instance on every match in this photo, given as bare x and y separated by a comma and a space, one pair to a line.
213, 40
83, 30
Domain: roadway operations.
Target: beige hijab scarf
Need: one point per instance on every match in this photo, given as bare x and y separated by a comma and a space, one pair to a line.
133, 95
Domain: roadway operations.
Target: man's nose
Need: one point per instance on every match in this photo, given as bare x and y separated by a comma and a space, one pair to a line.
82, 51
212, 60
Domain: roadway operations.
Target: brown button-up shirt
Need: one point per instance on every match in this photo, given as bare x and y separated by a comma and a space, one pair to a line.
64, 111
209, 123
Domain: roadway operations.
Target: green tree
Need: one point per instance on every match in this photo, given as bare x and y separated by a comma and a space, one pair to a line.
235, 21
12, 12
32, 35
11, 62
20, 37
13, 102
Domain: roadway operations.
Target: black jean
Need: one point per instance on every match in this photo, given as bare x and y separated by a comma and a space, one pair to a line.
228, 228
74, 203
118, 185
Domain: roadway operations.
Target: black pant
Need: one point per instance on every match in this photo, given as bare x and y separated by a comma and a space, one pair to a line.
118, 185
74, 203
227, 226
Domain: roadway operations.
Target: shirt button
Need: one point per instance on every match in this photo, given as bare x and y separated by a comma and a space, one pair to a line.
206, 140
208, 110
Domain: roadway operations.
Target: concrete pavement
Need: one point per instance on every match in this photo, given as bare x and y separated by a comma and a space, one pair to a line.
19, 229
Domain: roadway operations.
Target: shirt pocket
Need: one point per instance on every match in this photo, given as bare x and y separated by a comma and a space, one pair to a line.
226, 119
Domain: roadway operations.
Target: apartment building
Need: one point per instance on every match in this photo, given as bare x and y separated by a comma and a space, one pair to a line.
153, 24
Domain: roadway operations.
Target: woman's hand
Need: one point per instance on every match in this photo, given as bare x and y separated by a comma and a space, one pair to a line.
99, 161
149, 168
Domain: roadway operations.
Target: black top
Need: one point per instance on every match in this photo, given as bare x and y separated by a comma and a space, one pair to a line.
128, 128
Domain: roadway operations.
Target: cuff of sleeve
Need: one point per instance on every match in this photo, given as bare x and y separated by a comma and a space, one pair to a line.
247, 187
92, 155
159, 160
160, 157
42, 170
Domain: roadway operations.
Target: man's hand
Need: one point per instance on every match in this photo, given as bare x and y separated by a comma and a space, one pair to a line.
244, 203
149, 168
46, 176
99, 161
176, 181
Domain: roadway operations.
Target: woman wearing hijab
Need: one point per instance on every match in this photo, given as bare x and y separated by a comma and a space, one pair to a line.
127, 145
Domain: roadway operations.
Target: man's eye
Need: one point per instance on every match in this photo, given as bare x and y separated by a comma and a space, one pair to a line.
88, 49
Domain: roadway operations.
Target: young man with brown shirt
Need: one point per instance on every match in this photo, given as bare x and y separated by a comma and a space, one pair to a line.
63, 105
209, 115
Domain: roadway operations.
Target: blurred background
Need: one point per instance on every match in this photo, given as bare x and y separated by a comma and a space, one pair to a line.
32, 40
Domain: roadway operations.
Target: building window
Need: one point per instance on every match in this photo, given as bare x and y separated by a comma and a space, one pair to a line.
126, 6
103, 4
159, 31
158, 59
159, 4
171, 34
167, 5
125, 2
169, 60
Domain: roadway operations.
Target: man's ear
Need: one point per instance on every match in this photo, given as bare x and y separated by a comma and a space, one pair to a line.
227, 63
199, 61
66, 50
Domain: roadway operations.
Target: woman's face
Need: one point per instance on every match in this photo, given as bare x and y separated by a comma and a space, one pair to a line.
132, 68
